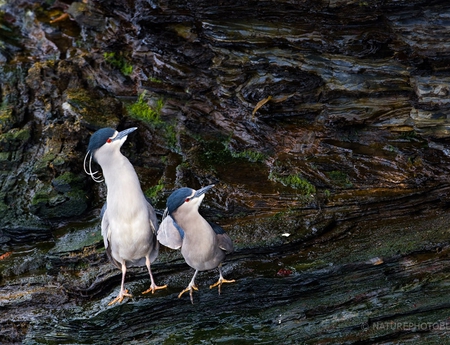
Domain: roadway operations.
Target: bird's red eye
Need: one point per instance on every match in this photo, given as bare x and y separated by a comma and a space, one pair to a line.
108, 140
187, 200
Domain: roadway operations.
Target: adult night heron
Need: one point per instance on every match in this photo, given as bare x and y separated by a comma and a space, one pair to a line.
203, 244
129, 222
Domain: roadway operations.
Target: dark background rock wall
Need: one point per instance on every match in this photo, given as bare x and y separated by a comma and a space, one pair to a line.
354, 104
323, 124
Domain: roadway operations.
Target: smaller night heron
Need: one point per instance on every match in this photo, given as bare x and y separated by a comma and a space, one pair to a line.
203, 244
129, 222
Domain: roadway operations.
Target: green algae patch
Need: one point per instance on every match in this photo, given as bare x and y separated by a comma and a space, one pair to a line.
67, 181
144, 111
119, 61
97, 110
14, 138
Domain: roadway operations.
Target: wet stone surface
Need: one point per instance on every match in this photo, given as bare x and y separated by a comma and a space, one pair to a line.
343, 289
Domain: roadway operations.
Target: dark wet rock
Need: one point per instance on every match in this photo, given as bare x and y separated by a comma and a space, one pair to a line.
66, 198
323, 125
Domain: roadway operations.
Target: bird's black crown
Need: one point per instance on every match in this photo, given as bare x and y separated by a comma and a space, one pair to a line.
177, 198
98, 139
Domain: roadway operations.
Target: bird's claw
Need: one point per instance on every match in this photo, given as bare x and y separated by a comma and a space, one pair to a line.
119, 298
153, 288
220, 282
191, 289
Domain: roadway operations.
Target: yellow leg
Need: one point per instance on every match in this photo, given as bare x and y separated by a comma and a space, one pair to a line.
153, 287
191, 287
123, 292
221, 281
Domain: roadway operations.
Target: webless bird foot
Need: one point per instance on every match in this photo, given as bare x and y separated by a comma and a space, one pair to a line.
191, 289
122, 294
153, 288
220, 282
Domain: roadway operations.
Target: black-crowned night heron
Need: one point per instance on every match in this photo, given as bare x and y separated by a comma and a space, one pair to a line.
129, 222
203, 244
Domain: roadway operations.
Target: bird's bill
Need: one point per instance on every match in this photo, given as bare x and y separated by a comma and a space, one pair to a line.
124, 133
202, 191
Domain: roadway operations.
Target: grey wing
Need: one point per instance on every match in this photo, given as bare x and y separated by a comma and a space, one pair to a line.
168, 233
107, 235
154, 226
224, 241
152, 216
105, 226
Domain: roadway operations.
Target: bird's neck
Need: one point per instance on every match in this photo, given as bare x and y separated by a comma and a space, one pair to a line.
191, 222
120, 175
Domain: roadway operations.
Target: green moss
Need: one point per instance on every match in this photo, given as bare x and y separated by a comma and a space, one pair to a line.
340, 178
118, 61
14, 138
170, 136
219, 152
142, 111
79, 99
67, 177
155, 80
250, 155
6, 115
409, 135
59, 160
40, 198
40, 168
66, 182
98, 110
22, 135
295, 182
153, 192
213, 153
4, 156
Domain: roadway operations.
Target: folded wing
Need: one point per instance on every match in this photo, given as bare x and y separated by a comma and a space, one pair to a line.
224, 241
170, 233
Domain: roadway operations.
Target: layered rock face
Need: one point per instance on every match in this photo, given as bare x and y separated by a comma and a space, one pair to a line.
318, 122
314, 105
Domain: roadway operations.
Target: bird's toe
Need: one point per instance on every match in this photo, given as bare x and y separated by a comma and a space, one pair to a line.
120, 298
191, 289
153, 288
220, 282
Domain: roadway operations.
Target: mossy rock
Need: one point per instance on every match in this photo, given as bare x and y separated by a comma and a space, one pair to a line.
5, 163
60, 206
67, 182
14, 138
74, 205
95, 109
65, 200
6, 118
41, 166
